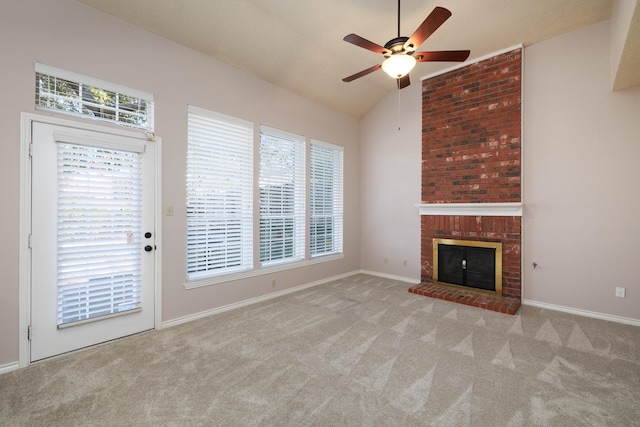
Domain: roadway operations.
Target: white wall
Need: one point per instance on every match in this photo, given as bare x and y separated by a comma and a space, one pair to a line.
581, 179
390, 183
75, 37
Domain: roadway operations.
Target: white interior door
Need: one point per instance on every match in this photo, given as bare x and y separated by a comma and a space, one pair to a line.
93, 238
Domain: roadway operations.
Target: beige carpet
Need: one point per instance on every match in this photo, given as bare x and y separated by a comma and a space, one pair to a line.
361, 351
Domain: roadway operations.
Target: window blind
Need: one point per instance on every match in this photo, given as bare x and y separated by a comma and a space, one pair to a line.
282, 196
99, 232
219, 194
325, 199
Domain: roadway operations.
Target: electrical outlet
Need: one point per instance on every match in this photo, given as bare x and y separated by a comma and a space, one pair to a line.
620, 292
273, 283
404, 262
386, 260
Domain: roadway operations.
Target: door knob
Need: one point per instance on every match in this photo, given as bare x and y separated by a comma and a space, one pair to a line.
148, 248
147, 235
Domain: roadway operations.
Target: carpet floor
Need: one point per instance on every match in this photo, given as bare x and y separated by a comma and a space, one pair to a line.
360, 351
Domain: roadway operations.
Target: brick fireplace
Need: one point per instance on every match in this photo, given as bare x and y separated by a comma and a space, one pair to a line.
471, 171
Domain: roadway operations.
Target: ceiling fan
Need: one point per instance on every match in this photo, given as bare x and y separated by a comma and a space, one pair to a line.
400, 53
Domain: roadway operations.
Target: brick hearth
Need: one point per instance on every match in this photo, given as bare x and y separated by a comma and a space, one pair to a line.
500, 304
471, 154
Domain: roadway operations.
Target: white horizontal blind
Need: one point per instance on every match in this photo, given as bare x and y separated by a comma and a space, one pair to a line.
219, 194
326, 199
282, 196
99, 232
75, 94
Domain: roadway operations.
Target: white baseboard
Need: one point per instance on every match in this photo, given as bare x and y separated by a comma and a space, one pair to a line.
579, 312
240, 304
8, 367
391, 277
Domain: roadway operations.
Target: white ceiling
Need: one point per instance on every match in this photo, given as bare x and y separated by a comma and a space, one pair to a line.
297, 44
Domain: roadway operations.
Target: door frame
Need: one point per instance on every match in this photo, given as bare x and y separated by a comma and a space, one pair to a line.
24, 307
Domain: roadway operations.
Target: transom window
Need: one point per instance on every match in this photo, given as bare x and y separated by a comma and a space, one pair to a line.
70, 93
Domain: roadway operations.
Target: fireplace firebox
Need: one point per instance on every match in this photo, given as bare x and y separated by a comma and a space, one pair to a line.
473, 265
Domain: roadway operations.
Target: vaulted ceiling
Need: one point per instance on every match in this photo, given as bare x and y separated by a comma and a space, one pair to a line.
297, 44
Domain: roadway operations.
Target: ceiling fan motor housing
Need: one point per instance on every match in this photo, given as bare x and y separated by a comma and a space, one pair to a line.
397, 46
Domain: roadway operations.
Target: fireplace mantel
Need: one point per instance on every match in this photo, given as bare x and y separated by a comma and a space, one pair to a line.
472, 209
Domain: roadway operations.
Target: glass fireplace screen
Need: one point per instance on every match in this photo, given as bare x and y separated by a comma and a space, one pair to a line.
468, 263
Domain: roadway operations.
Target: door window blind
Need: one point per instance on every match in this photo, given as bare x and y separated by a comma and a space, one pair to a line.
282, 196
99, 232
219, 194
325, 199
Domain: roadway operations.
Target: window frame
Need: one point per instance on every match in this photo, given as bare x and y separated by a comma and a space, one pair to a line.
81, 106
336, 204
235, 256
260, 269
290, 143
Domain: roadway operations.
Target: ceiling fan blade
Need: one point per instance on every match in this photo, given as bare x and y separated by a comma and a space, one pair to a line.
362, 73
428, 26
442, 56
403, 82
362, 42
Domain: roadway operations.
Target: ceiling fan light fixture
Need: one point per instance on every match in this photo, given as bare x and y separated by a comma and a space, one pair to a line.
398, 65
400, 52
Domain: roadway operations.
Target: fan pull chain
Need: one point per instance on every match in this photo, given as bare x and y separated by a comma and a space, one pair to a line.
398, 104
